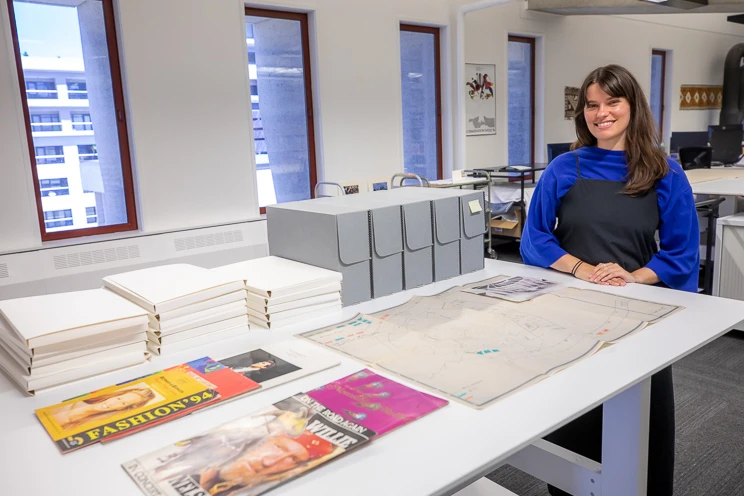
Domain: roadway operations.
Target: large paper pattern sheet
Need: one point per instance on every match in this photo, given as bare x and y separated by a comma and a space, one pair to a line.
477, 350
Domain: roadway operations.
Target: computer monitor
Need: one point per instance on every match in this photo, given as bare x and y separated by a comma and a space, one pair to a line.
726, 140
555, 149
683, 139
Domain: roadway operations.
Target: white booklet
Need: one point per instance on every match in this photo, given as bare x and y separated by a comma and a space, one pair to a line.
200, 307
168, 287
278, 317
274, 277
517, 289
334, 287
79, 355
325, 313
258, 304
279, 363
51, 352
54, 318
34, 385
198, 341
200, 318
167, 339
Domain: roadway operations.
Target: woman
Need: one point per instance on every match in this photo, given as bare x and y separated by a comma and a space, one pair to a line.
101, 407
609, 197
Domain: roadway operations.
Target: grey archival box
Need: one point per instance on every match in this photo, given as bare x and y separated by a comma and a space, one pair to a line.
334, 237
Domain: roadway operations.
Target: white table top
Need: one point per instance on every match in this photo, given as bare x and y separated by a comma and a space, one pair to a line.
434, 455
723, 187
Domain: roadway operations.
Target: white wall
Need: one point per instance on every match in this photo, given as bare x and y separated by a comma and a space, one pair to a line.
188, 106
187, 94
19, 224
357, 81
574, 45
189, 111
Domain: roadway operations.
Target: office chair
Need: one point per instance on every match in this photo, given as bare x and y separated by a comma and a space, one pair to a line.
555, 149
695, 157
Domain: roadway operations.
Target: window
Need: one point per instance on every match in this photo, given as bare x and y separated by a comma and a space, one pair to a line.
90, 215
87, 152
50, 155
41, 88
281, 99
521, 100
77, 90
45, 122
422, 116
73, 45
658, 77
80, 117
58, 214
54, 187
59, 223
58, 218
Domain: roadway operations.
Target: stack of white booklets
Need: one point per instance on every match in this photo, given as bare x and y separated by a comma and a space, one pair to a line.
283, 292
188, 306
49, 340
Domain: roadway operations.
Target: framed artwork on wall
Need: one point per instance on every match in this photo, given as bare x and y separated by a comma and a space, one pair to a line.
480, 101
571, 100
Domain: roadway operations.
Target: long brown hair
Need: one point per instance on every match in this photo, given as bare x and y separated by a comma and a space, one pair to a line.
646, 162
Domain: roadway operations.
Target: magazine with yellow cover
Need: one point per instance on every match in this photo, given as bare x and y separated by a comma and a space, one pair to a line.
87, 419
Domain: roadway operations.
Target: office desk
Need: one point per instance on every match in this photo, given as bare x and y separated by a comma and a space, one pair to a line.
720, 187
438, 454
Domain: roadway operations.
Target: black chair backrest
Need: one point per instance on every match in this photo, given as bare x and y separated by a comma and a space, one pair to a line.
695, 157
555, 149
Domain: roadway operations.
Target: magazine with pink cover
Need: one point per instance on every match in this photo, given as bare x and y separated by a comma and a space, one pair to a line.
375, 402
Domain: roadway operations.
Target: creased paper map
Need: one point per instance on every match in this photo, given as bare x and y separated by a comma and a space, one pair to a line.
476, 349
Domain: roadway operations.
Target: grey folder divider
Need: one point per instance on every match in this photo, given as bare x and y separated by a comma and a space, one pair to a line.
418, 251
325, 235
386, 240
458, 232
473, 229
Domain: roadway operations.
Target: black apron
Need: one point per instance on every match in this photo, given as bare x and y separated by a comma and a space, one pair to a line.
598, 223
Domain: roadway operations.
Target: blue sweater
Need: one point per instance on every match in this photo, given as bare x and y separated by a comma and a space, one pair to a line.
678, 259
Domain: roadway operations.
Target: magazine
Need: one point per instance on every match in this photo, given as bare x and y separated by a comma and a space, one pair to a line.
376, 402
227, 383
239, 458
516, 289
279, 363
89, 418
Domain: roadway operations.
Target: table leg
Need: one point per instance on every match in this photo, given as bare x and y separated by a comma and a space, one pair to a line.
625, 442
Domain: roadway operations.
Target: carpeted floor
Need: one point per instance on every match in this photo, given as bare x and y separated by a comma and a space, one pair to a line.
709, 392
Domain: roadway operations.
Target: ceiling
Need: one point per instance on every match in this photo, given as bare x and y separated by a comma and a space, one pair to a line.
624, 7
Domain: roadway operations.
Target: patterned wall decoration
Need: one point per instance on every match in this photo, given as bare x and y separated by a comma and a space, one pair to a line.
700, 97
570, 100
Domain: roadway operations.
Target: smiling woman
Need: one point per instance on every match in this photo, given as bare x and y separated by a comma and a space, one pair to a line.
595, 213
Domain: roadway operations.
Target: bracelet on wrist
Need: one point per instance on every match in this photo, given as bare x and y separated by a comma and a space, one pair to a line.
576, 267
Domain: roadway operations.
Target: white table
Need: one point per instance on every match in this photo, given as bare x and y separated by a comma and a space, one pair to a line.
721, 187
439, 454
